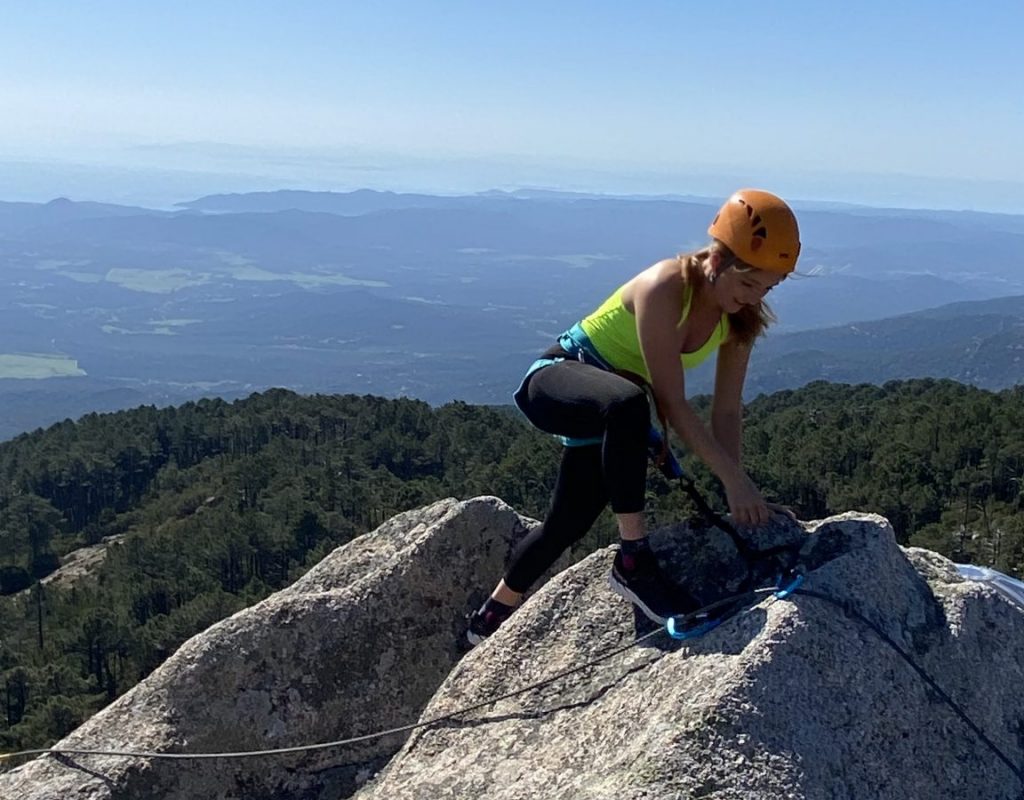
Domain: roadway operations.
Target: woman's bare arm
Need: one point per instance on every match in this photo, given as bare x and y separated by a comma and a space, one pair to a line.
727, 406
657, 296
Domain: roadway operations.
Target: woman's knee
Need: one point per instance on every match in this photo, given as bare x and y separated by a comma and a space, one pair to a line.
630, 411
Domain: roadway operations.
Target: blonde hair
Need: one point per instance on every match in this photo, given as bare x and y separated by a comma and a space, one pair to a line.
750, 321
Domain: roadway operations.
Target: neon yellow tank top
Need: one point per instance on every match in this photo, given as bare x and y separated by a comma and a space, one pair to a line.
612, 331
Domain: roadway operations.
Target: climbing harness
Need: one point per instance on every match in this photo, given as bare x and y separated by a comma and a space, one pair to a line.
577, 345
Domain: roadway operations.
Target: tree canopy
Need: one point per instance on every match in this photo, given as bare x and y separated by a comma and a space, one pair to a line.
210, 506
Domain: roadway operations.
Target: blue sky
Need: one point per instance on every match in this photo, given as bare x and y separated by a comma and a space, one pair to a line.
873, 102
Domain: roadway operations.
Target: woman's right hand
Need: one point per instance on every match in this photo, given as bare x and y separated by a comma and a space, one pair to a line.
747, 506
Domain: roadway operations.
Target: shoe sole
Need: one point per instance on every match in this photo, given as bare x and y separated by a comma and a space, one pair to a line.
624, 591
474, 638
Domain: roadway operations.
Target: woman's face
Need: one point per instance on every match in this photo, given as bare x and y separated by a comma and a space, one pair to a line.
736, 288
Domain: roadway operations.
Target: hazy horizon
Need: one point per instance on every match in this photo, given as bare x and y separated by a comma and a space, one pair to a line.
915, 105
168, 181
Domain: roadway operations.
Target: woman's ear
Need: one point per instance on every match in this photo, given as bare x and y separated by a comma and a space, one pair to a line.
714, 265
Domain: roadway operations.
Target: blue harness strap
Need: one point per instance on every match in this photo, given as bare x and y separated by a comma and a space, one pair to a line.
578, 345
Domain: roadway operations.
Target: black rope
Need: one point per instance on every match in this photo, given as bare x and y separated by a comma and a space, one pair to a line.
711, 516
848, 609
377, 735
750, 557
746, 596
788, 565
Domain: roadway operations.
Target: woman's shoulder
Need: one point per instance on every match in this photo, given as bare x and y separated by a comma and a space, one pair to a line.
665, 272
665, 276
661, 277
668, 268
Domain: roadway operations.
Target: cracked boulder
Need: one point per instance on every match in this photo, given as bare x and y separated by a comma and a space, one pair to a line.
793, 698
359, 643
577, 696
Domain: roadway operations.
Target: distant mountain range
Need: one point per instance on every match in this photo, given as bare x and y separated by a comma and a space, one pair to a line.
450, 297
365, 201
19, 218
980, 343
361, 201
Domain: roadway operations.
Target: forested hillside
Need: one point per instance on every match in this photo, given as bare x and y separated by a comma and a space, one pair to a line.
211, 506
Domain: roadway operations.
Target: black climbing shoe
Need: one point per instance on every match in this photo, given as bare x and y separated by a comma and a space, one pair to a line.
486, 620
639, 579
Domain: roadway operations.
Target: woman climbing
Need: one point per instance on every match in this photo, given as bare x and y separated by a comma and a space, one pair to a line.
591, 390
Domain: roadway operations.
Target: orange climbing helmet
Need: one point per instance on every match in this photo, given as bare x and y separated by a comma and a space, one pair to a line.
760, 229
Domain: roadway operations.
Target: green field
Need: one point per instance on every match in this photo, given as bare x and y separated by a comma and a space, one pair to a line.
37, 366
156, 281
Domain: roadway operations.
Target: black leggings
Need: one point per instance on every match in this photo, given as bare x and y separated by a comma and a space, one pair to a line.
582, 401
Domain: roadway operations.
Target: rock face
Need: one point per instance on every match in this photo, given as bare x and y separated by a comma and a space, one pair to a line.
359, 643
81, 564
790, 699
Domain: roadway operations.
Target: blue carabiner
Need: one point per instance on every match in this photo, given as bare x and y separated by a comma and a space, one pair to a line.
691, 633
789, 588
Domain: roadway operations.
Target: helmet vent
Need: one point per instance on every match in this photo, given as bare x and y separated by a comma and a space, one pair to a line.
762, 232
